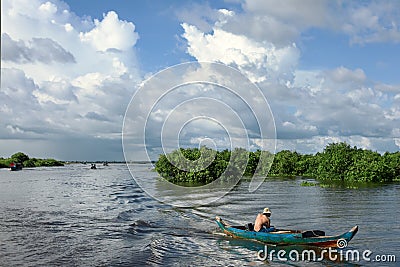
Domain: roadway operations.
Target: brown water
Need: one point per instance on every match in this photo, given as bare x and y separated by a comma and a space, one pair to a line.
74, 216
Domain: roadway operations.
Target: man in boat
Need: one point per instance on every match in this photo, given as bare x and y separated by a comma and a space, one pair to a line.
263, 222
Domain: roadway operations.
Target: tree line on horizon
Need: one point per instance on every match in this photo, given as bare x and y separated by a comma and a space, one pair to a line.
28, 162
337, 162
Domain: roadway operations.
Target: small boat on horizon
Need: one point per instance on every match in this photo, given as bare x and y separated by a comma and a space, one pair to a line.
15, 166
288, 237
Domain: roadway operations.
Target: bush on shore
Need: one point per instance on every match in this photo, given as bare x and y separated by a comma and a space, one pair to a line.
338, 161
28, 162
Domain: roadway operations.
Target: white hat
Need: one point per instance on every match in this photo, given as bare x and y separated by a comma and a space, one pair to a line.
266, 211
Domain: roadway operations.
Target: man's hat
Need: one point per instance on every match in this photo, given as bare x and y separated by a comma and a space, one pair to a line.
266, 211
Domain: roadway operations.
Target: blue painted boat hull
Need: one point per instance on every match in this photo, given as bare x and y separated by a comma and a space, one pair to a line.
289, 237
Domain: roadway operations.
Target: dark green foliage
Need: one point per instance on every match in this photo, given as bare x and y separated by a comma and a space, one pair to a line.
204, 165
19, 157
392, 161
306, 165
5, 163
307, 183
368, 166
340, 161
34, 162
285, 163
337, 162
28, 162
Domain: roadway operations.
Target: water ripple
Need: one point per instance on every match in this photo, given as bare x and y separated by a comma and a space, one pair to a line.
74, 216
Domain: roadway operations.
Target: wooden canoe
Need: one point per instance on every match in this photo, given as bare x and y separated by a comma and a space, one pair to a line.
289, 237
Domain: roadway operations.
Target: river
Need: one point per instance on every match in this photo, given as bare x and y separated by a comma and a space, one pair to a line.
75, 216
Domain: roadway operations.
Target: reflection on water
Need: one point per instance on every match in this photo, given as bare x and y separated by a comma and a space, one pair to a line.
75, 216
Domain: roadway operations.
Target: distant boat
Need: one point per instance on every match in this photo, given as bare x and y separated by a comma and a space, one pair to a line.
93, 167
288, 237
15, 166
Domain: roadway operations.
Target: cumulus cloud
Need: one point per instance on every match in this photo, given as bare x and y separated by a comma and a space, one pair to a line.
260, 61
201, 15
283, 23
373, 22
279, 22
342, 103
111, 33
307, 13
96, 116
342, 75
64, 76
224, 110
311, 107
38, 49
388, 88
16, 88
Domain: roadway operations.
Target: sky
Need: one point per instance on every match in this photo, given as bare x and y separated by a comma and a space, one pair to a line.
329, 71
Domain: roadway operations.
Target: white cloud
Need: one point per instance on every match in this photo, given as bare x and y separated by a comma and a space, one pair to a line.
305, 13
16, 88
68, 27
366, 22
201, 15
56, 86
372, 22
111, 33
313, 105
280, 22
259, 61
38, 49
48, 8
342, 75
387, 88
397, 142
195, 111
75, 75
284, 22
